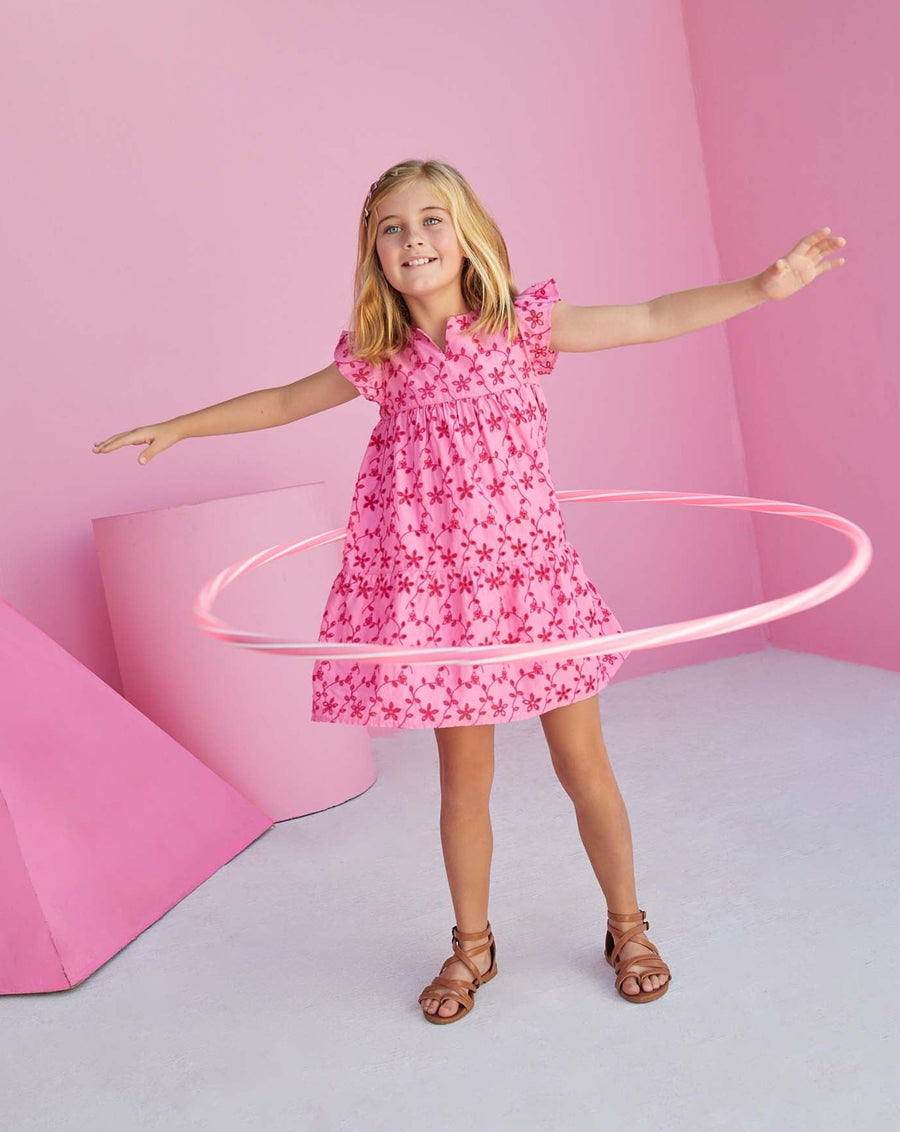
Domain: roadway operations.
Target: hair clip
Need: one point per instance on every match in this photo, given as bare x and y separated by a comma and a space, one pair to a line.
369, 197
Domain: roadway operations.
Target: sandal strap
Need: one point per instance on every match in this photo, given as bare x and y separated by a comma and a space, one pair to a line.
467, 960
462, 957
461, 990
628, 937
652, 963
466, 957
623, 936
471, 935
629, 916
458, 984
453, 996
657, 967
456, 989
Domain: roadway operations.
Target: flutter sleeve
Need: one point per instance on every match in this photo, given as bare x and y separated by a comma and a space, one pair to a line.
533, 307
368, 378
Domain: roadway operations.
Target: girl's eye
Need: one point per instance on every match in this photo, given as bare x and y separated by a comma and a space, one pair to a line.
427, 218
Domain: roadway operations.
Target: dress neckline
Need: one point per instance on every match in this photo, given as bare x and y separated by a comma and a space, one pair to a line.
452, 319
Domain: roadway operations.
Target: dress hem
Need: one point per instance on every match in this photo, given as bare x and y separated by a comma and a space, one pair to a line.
519, 711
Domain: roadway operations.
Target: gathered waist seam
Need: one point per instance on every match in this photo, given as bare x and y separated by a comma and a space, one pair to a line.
457, 400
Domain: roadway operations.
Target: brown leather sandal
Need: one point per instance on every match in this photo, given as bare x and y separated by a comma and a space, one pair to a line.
653, 962
461, 990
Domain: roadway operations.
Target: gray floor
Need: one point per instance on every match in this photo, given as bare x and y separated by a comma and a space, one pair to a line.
281, 994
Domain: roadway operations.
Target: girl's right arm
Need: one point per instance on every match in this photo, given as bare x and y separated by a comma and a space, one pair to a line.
263, 408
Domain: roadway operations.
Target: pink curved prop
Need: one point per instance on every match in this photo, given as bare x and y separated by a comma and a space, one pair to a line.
654, 637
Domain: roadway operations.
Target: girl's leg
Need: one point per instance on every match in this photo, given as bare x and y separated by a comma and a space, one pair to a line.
581, 762
467, 774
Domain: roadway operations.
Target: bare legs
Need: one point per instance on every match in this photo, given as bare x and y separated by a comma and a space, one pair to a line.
467, 774
581, 762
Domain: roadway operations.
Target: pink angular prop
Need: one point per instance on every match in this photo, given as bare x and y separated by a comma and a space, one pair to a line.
654, 637
105, 821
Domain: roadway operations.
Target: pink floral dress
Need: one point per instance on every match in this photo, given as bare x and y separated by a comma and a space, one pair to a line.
455, 537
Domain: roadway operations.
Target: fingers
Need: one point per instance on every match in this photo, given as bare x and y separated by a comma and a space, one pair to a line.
822, 241
825, 249
805, 245
809, 241
118, 439
115, 441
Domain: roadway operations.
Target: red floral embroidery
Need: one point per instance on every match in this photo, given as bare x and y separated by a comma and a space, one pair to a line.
455, 537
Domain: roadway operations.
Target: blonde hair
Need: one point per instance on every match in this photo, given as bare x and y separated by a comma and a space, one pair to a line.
380, 323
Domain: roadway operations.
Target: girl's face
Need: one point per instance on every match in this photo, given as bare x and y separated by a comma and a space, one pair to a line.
414, 224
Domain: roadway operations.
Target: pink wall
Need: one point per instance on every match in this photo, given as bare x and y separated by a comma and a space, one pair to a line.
178, 227
799, 117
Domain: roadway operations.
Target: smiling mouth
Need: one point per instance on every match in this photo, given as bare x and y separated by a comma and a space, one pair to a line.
431, 260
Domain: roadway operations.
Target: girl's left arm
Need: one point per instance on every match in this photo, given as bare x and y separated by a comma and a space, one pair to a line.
684, 311
599, 328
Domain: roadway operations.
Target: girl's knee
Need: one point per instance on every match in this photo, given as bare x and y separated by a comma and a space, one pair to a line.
462, 744
466, 763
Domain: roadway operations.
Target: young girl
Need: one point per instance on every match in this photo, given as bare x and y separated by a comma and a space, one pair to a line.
455, 536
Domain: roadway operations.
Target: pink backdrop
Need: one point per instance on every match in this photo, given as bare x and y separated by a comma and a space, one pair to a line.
798, 111
180, 196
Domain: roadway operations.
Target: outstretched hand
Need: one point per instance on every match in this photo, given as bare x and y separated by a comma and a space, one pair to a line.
157, 437
801, 265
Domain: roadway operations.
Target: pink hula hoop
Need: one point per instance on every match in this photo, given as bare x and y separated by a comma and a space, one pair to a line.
654, 637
